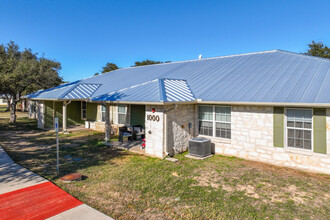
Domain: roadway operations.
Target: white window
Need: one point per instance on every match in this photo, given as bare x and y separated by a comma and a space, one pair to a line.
299, 128
215, 121
103, 110
33, 106
83, 110
122, 112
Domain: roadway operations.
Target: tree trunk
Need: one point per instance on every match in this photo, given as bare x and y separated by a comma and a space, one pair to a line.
13, 111
8, 104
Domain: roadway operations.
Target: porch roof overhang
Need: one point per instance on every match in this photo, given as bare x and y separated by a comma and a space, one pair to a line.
198, 101
145, 103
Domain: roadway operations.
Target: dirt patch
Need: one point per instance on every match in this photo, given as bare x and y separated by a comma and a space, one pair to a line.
121, 160
175, 174
283, 171
250, 190
233, 180
207, 177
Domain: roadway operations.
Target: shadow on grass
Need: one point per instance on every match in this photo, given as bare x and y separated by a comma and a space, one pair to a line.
22, 124
35, 149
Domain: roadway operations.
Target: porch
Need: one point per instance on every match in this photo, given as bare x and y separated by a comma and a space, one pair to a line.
112, 119
133, 146
94, 116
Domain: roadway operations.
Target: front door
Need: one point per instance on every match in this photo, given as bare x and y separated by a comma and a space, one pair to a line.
138, 115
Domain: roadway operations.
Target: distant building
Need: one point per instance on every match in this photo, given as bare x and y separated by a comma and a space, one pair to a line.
3, 100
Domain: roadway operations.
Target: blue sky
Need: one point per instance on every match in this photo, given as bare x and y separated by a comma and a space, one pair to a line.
84, 35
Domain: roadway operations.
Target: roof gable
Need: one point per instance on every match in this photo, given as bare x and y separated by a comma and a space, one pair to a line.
158, 90
81, 91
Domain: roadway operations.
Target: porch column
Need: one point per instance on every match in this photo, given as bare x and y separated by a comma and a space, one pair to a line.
64, 121
107, 123
54, 114
24, 105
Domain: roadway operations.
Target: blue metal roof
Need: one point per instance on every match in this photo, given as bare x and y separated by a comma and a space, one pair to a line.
158, 90
52, 93
144, 92
264, 77
175, 90
81, 91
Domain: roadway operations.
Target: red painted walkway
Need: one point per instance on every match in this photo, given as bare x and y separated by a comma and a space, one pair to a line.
36, 202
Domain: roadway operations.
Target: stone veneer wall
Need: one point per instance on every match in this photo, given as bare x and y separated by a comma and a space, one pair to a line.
178, 132
252, 138
100, 126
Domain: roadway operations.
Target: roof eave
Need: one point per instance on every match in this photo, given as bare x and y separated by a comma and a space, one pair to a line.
59, 100
146, 103
286, 104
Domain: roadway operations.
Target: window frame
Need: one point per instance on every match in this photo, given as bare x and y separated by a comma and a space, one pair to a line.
82, 110
102, 112
303, 129
126, 107
214, 122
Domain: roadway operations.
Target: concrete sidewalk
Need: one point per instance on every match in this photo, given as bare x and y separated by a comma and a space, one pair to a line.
14, 177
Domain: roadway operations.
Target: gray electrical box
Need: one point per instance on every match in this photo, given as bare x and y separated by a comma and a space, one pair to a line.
200, 147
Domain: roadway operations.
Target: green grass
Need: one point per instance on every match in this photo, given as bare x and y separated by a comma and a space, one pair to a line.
129, 186
22, 124
3, 112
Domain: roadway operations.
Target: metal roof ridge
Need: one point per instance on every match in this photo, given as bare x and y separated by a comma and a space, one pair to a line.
76, 85
68, 91
210, 58
120, 90
183, 61
162, 93
58, 87
304, 55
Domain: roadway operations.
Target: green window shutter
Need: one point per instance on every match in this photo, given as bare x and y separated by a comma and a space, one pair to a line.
278, 127
320, 130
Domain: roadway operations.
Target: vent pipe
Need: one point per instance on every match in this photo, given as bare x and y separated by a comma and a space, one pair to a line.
200, 56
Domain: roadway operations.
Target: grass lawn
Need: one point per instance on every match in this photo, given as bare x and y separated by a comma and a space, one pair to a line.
130, 186
7, 114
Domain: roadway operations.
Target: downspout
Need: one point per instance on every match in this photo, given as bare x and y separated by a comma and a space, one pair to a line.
165, 128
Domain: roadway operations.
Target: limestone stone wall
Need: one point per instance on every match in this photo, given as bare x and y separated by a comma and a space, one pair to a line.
180, 128
154, 128
252, 138
100, 126
97, 126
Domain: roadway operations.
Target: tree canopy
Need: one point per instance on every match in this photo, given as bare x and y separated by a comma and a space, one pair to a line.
109, 67
23, 72
146, 62
318, 49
